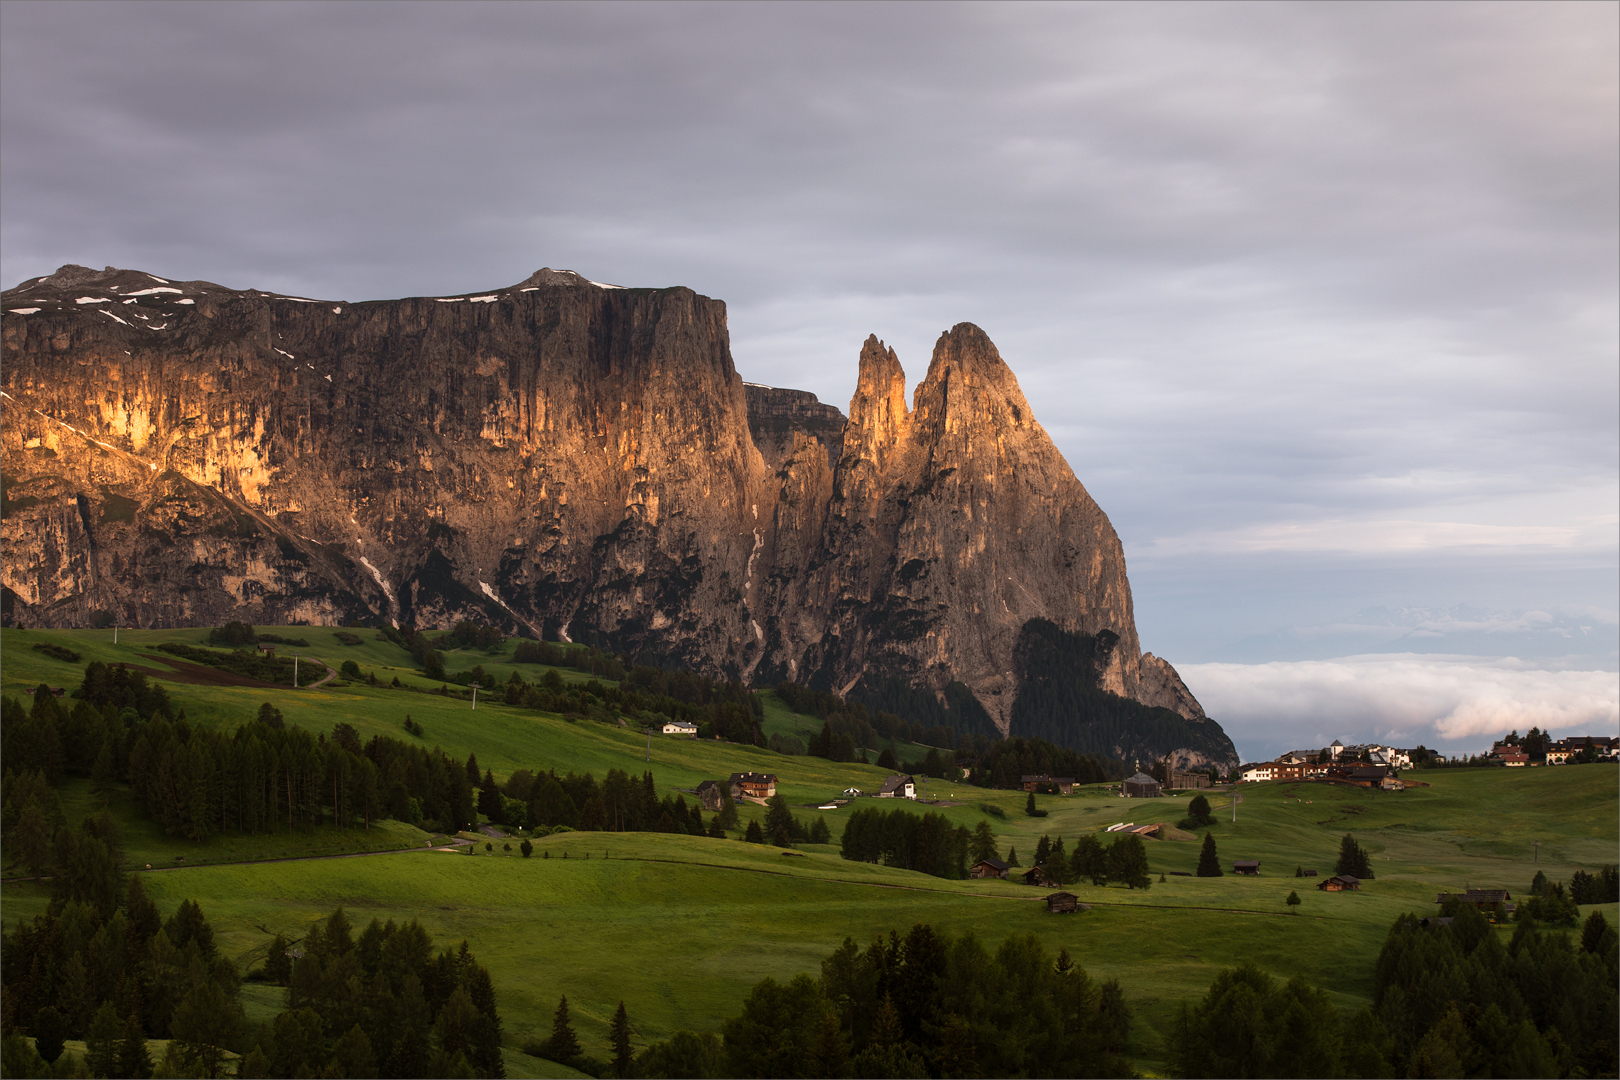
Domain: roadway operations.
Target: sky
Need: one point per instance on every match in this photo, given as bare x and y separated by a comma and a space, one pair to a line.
1318, 300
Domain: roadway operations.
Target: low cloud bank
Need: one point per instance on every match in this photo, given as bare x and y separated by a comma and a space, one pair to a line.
1457, 704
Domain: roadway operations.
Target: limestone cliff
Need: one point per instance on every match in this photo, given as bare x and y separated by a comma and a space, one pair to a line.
577, 460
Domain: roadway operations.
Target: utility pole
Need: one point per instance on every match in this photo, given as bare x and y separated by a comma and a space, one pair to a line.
475, 697
1537, 845
295, 671
115, 633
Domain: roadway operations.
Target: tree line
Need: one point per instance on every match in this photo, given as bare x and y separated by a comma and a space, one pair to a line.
1449, 999
925, 1004
106, 967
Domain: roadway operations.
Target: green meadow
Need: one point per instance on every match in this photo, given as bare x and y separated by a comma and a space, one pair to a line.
680, 928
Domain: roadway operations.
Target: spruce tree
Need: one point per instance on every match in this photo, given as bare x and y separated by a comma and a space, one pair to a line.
1353, 859
562, 1045
101, 1042
1209, 863
621, 1042
754, 834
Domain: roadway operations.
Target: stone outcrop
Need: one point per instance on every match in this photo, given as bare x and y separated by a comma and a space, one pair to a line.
777, 416
577, 460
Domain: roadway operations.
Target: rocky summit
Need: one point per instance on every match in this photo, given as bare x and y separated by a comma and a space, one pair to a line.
575, 461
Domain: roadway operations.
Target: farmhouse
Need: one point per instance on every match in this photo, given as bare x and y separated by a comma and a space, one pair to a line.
1186, 780
56, 691
1140, 786
712, 794
1036, 876
1062, 903
1250, 867
898, 787
681, 727
752, 785
988, 868
1340, 883
1511, 756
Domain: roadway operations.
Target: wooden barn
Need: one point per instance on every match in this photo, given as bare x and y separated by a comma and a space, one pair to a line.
988, 868
1037, 877
1250, 867
1061, 903
1339, 883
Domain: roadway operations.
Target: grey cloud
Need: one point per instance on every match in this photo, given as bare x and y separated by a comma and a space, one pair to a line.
1255, 264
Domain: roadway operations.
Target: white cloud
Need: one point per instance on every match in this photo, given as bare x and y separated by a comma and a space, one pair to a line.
1394, 536
1452, 702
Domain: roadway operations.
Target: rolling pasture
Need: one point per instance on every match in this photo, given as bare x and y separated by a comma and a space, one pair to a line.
681, 927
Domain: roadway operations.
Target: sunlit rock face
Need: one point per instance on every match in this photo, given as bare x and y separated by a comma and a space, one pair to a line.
577, 460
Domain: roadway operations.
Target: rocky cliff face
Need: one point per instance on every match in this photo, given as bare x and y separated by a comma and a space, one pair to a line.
578, 460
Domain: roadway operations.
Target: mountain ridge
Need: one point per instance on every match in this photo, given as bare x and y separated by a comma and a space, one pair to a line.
569, 458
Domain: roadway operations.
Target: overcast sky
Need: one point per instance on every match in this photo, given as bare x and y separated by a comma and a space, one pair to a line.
1319, 300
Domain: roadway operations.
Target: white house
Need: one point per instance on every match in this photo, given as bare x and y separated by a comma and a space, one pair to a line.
898, 787
1254, 774
681, 727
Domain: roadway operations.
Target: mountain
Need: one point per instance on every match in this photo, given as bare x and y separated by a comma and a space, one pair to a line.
563, 458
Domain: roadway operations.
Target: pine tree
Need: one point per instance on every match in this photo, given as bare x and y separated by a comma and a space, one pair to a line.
1012, 857
621, 1042
50, 1028
133, 1059
101, 1041
562, 1045
1209, 863
1353, 859
984, 843
754, 834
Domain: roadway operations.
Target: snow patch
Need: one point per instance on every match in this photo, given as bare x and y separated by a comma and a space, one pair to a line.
159, 326
450, 299
283, 352
22, 310
149, 292
604, 285
482, 299
154, 277
185, 301
114, 318
531, 288
295, 299
92, 300
328, 378
131, 301
335, 311
381, 581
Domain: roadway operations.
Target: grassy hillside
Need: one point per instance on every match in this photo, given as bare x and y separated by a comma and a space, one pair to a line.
681, 927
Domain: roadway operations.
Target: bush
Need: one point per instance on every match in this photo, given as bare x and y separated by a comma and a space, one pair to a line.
993, 810
57, 652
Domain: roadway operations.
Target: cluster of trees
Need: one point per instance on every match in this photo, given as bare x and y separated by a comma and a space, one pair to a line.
1198, 814
1550, 903
860, 725
724, 709
1602, 887
1003, 763
925, 1004
103, 965
620, 803
1448, 1000
379, 1003
1353, 859
898, 837
237, 635
248, 664
579, 657
1124, 861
